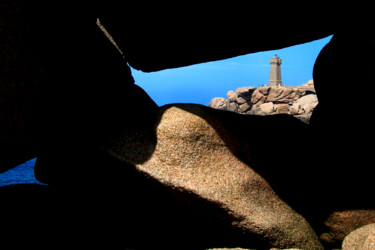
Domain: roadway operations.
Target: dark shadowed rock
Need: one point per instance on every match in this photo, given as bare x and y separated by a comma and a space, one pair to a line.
32, 37
66, 90
20, 88
23, 208
213, 32
343, 135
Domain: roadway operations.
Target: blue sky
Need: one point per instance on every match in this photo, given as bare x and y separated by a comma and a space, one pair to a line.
201, 82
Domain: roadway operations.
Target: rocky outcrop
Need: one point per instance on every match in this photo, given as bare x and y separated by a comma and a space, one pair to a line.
194, 154
299, 101
84, 92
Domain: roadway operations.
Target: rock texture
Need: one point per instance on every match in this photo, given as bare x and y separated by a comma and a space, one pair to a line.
85, 95
299, 101
194, 156
340, 224
360, 239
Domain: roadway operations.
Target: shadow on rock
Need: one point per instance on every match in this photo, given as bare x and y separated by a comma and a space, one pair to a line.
197, 152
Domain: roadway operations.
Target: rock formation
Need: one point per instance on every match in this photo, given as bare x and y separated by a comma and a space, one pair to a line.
339, 224
298, 101
67, 94
194, 154
360, 239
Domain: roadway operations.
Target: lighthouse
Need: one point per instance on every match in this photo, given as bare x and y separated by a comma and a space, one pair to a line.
275, 74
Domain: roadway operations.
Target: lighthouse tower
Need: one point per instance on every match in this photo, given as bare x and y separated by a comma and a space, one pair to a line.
275, 74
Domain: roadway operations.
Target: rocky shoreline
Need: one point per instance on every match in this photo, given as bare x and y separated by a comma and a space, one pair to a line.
298, 101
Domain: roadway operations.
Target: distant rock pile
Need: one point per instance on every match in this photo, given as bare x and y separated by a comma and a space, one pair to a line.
298, 101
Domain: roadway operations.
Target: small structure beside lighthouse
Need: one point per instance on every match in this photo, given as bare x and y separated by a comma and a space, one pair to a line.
275, 74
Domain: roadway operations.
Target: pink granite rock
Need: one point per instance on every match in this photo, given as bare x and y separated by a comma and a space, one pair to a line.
194, 156
360, 239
